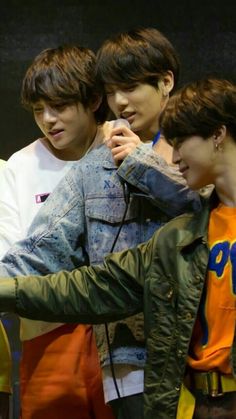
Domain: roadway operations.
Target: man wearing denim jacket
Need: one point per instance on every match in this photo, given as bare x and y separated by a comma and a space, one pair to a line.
78, 223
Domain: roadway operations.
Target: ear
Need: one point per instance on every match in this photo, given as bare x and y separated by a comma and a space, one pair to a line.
95, 104
166, 83
219, 136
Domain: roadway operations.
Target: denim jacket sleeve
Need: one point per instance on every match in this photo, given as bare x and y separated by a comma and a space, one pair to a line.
52, 241
163, 184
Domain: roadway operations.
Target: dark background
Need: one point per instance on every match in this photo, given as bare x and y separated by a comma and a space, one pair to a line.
203, 33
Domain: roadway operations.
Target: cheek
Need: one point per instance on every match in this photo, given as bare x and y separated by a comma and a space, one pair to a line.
38, 120
199, 166
111, 103
153, 105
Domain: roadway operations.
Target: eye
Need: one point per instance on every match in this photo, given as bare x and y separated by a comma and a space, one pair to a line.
37, 109
109, 92
59, 106
130, 88
174, 142
109, 89
176, 145
178, 141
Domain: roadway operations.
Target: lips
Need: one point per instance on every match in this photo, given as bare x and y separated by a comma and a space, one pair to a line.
183, 170
55, 132
129, 116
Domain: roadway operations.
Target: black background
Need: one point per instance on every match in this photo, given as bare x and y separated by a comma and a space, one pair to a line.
203, 33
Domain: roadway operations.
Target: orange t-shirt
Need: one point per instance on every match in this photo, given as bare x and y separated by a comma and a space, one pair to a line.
214, 329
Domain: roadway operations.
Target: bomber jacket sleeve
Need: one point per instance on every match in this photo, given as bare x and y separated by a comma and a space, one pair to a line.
52, 241
145, 170
96, 294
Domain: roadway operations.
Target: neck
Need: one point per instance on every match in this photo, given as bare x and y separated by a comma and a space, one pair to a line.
148, 135
226, 187
164, 150
228, 198
224, 173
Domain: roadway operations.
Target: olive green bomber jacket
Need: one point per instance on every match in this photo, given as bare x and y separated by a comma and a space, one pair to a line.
163, 277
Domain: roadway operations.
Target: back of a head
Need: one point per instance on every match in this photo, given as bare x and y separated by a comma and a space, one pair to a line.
65, 74
200, 108
136, 56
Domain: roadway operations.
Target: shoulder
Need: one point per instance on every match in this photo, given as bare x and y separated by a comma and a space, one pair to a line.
183, 230
181, 222
175, 230
26, 152
96, 156
87, 167
2, 163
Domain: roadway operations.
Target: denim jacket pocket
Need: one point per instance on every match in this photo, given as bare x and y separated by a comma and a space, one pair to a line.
103, 217
108, 210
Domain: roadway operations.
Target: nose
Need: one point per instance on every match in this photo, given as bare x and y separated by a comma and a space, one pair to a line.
175, 156
49, 115
120, 99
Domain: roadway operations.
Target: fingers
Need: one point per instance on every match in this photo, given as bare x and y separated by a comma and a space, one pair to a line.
122, 142
120, 152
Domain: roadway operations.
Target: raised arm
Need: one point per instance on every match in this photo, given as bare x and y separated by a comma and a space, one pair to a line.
149, 172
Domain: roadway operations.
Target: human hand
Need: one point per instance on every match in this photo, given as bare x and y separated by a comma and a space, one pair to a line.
122, 142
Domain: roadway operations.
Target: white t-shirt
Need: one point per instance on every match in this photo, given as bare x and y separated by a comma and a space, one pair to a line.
129, 380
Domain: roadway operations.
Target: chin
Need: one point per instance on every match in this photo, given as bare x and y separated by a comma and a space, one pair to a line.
192, 184
196, 185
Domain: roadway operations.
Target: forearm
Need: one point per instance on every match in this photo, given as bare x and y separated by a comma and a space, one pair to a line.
87, 295
162, 183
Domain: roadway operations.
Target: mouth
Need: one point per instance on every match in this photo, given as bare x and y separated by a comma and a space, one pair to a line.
129, 116
55, 133
183, 170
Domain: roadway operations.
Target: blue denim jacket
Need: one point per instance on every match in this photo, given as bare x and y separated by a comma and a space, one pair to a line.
78, 223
